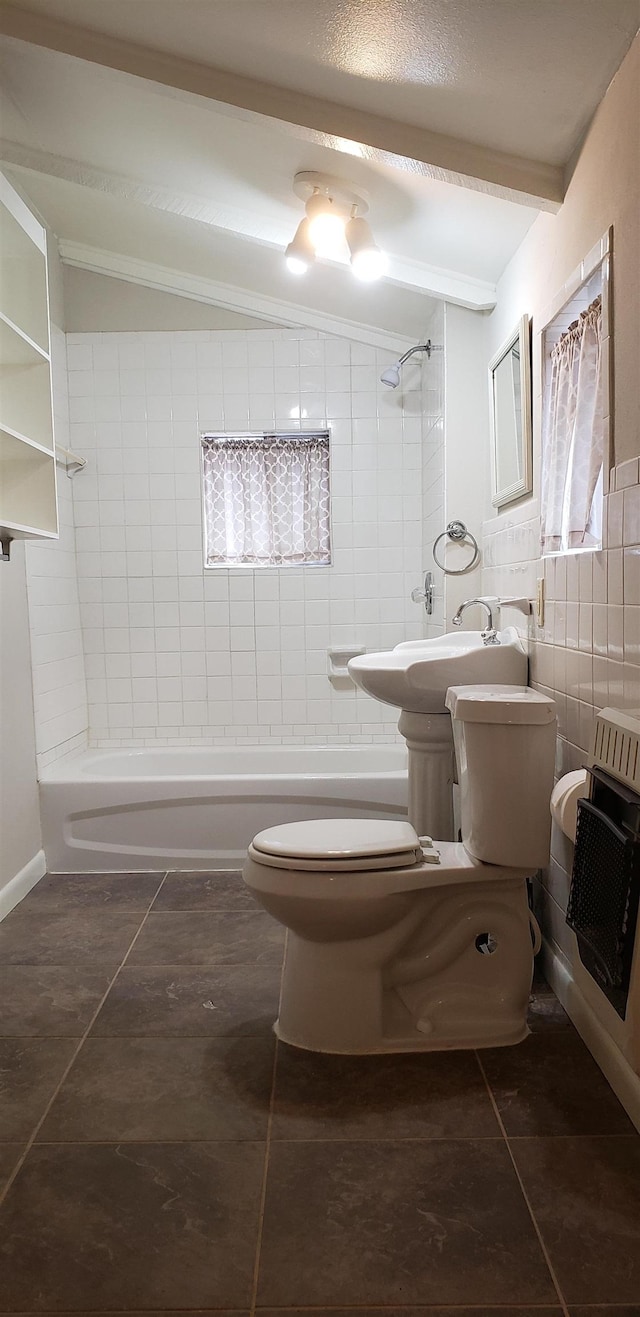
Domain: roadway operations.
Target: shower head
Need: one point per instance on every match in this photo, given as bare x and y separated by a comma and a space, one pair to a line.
391, 376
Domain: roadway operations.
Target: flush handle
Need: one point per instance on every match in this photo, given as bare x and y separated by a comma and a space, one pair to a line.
424, 596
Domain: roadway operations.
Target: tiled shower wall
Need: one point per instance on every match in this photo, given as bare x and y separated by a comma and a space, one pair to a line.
587, 653
174, 652
433, 463
59, 690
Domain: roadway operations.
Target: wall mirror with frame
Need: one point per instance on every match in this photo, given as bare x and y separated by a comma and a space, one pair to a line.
510, 413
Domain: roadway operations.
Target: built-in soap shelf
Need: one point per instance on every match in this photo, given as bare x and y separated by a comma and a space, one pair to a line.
337, 660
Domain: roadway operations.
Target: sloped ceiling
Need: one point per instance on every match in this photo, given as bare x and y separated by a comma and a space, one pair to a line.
150, 171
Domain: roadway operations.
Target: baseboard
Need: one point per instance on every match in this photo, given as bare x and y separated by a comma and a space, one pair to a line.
20, 885
624, 1081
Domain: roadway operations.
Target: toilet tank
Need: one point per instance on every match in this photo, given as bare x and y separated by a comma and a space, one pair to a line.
504, 739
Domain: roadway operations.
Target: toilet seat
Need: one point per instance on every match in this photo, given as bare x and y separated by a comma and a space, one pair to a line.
338, 846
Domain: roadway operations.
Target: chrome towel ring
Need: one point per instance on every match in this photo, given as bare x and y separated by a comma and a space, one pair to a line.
456, 531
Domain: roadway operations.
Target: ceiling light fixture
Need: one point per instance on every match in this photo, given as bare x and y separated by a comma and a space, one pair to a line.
367, 261
334, 223
326, 224
300, 253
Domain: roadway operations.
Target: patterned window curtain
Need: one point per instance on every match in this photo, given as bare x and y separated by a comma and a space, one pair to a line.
266, 499
573, 437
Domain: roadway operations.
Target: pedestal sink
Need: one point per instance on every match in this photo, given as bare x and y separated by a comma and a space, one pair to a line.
414, 677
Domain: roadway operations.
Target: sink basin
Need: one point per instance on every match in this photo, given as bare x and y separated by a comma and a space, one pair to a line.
416, 674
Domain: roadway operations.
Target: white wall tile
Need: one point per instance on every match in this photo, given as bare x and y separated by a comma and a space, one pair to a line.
175, 651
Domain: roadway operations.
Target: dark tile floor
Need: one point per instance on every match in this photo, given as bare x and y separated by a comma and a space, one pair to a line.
159, 1153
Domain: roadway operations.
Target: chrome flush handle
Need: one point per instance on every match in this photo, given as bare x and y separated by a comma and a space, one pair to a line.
424, 596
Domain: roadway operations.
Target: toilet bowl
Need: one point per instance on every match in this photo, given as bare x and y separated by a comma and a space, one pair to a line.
398, 943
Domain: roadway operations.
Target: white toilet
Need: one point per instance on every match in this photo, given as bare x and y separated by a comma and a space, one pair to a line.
399, 944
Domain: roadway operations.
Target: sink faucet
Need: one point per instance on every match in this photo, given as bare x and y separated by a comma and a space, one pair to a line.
489, 635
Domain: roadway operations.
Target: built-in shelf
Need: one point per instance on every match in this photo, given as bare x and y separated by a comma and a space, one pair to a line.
27, 488
28, 503
24, 266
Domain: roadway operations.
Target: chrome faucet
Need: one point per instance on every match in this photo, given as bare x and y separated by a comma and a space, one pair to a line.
489, 635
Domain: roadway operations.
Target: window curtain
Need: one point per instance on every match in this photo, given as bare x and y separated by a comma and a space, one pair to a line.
266, 499
572, 437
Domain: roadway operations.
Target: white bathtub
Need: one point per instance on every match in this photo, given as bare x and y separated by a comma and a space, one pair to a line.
193, 808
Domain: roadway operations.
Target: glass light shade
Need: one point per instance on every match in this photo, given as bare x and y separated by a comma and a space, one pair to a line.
300, 253
367, 261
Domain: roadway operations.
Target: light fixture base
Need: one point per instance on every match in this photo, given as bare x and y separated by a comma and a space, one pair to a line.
343, 194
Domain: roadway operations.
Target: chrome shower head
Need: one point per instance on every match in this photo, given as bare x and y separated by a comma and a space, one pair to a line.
391, 376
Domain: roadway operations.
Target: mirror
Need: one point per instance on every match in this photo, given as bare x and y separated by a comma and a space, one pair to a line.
510, 404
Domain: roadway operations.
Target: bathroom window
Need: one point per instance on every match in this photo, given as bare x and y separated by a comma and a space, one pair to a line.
575, 420
266, 499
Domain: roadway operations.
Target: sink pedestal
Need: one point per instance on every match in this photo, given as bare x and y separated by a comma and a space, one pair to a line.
429, 738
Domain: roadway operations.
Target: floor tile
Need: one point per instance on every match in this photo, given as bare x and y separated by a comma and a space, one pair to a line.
95, 891
205, 891
437, 1222
545, 1012
232, 1001
413, 1311
30, 1070
10, 1154
585, 1193
170, 1226
76, 938
161, 1088
46, 1000
550, 1084
209, 938
620, 1310
385, 1097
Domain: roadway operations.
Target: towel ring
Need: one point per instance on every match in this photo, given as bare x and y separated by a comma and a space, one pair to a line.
457, 531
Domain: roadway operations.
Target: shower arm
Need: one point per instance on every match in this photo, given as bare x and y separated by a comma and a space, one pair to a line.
427, 347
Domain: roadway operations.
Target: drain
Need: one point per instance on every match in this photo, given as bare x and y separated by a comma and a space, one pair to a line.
486, 944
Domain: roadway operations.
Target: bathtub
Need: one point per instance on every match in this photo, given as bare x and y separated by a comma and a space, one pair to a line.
198, 808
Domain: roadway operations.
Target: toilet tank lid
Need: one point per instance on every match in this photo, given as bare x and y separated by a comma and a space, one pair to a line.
500, 704
337, 838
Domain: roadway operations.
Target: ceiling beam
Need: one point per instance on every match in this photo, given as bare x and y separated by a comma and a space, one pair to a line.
448, 285
259, 305
341, 127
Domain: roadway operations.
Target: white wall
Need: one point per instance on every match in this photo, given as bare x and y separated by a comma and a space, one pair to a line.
174, 652
467, 470
59, 688
97, 303
587, 653
433, 462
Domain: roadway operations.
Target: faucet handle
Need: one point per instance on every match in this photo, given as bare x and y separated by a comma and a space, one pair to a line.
424, 596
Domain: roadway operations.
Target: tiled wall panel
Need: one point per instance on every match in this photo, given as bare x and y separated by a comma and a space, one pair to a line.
587, 653
174, 652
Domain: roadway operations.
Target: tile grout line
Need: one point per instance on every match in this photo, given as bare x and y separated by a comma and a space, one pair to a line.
545, 1252
81, 1041
265, 1176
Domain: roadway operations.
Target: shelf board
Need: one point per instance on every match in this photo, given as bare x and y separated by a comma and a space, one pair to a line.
24, 439
16, 348
15, 530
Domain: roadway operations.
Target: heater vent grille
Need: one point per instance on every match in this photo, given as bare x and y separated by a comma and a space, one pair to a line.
616, 747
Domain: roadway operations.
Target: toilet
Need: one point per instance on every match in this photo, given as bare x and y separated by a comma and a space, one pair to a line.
403, 944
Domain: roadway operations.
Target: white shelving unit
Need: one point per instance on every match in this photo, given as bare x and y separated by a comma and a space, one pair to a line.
28, 501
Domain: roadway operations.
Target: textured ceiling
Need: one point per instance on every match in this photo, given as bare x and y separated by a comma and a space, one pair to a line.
182, 155
519, 76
